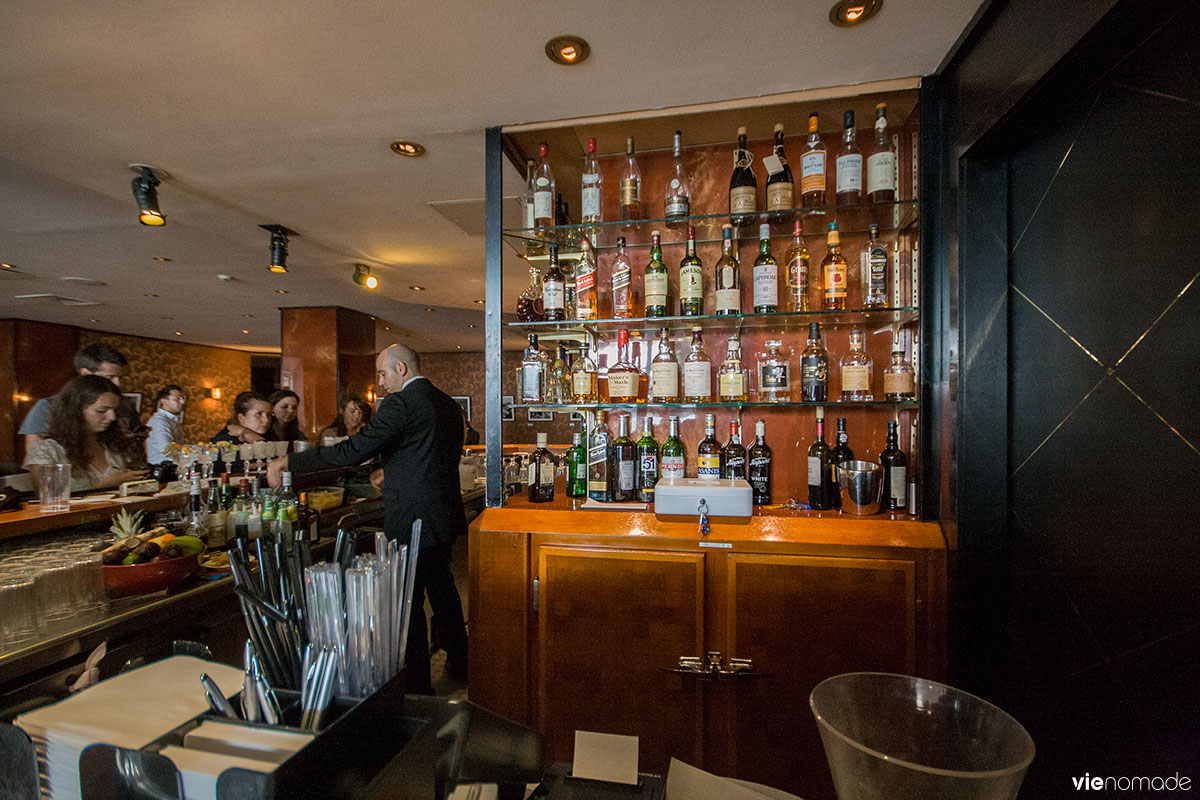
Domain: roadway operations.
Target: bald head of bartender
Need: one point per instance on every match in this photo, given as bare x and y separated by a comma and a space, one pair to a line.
394, 366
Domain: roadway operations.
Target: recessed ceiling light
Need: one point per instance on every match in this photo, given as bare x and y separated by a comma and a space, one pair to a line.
405, 148
7, 266
281, 291
245, 331
472, 325
93, 320
458, 347
853, 12
480, 302
567, 49
161, 258
429, 309
179, 333
417, 288
248, 316
149, 294
386, 328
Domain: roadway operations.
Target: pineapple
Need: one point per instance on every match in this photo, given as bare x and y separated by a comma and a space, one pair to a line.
126, 525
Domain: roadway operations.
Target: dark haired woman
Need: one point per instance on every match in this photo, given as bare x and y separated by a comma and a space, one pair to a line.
83, 434
249, 422
285, 427
353, 417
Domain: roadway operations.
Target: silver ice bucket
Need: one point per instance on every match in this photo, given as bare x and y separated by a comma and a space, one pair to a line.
861, 483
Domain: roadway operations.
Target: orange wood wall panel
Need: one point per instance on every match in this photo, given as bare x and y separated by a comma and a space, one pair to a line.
8, 401
309, 363
356, 358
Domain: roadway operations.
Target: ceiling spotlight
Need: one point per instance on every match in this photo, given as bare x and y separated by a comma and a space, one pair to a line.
279, 247
245, 331
7, 266
281, 291
149, 294
853, 12
161, 258
179, 333
567, 50
248, 316
429, 309
417, 288
363, 276
472, 325
480, 302
410, 149
145, 191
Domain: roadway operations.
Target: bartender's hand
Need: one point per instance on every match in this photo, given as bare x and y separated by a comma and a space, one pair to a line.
275, 469
120, 476
377, 479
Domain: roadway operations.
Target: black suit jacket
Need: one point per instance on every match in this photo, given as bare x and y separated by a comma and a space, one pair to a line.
418, 434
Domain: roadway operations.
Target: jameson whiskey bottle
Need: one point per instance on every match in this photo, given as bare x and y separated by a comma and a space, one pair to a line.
834, 272
812, 167
631, 185
766, 275
729, 281
818, 468
733, 454
780, 187
677, 197
759, 469
664, 372
656, 283
797, 260
691, 280
673, 455
708, 453
647, 462
814, 367
597, 456
743, 185
839, 455
577, 467
622, 464
541, 473
895, 469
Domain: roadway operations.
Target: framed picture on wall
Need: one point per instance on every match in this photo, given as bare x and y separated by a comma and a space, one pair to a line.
577, 416
135, 400
540, 416
465, 402
507, 412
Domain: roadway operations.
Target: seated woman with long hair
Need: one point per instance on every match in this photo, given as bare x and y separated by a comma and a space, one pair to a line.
83, 434
249, 422
353, 417
285, 426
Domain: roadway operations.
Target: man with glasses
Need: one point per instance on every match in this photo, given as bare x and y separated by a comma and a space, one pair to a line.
100, 358
166, 424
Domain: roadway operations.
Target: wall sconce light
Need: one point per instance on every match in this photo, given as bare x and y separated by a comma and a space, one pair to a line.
363, 276
145, 192
371, 395
214, 393
279, 247
22, 398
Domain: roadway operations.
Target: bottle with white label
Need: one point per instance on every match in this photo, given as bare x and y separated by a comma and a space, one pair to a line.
677, 196
554, 290
691, 280
766, 275
672, 456
622, 283
543, 189
622, 464
812, 167
647, 462
857, 371
624, 375
697, 372
631, 185
732, 378
780, 186
541, 473
533, 373
881, 163
729, 281
708, 452
656, 282
664, 371
819, 491
895, 472
743, 185
586, 300
849, 164
899, 379
593, 184
584, 377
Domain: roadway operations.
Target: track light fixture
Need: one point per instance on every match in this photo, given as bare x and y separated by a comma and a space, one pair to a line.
279, 247
363, 276
145, 191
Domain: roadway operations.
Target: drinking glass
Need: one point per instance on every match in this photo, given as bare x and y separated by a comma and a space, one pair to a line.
18, 610
246, 453
53, 485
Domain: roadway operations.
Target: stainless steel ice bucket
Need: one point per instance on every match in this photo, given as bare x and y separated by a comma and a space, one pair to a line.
861, 483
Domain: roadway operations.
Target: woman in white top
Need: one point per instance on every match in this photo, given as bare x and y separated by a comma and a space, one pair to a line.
83, 435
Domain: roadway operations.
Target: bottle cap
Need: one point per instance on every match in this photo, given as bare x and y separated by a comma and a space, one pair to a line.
543, 149
691, 232
874, 229
833, 226
591, 145
779, 127
629, 146
848, 119
813, 122
798, 228
620, 241
814, 330
764, 230
533, 340
742, 131
622, 337
576, 438
541, 440
880, 110
655, 237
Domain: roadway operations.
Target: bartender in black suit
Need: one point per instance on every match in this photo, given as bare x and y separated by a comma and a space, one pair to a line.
418, 433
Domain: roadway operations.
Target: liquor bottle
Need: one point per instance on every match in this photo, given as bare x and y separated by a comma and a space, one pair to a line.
732, 379
568, 270
833, 272
708, 452
635, 349
647, 462
774, 374
733, 454
228, 495
839, 455
586, 306
622, 464
677, 197
849, 164
534, 246
729, 280
743, 185
899, 379
527, 198
631, 185
766, 275
598, 458
797, 260
554, 290
857, 371
673, 455
881, 163
691, 280
584, 378
543, 189
895, 469
664, 372
759, 466
541, 473
529, 302
814, 367
198, 512
623, 375
818, 468
576, 467
622, 283
561, 212
875, 274
593, 184
812, 167
697, 372
558, 384
655, 281
780, 187
533, 373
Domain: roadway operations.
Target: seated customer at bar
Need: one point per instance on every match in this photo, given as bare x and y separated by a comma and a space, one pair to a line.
353, 417
249, 422
83, 433
285, 426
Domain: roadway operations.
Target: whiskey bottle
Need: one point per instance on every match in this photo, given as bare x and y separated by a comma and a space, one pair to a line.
593, 185
849, 164
584, 378
577, 467
655, 281
697, 372
708, 452
622, 283
780, 187
664, 372
673, 455
895, 469
677, 197
774, 374
543, 189
558, 385
899, 379
534, 246
759, 466
743, 185
766, 275
818, 468
839, 455
586, 306
797, 260
622, 464
812, 167
834, 272
691, 280
623, 375
533, 373
631, 185
733, 454
814, 367
875, 276
647, 462
729, 281
597, 458
732, 380
881, 163
554, 290
541, 473
857, 371
529, 302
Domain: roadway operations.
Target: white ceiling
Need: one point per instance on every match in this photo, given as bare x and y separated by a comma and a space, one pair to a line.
283, 112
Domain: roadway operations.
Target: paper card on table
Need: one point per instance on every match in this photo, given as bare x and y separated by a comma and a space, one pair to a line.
606, 757
685, 782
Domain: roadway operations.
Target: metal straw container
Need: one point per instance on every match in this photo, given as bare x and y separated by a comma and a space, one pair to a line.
861, 483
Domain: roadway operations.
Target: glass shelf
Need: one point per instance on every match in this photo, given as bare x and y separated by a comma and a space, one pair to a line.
851, 219
782, 321
756, 403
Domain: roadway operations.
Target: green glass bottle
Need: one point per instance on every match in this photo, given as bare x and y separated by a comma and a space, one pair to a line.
691, 280
622, 465
647, 462
577, 468
766, 275
673, 455
656, 283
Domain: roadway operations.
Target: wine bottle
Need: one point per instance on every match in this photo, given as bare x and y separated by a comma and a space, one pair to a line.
577, 467
881, 163
812, 167
598, 477
593, 185
708, 452
554, 290
647, 460
797, 260
839, 455
543, 189
895, 468
759, 459
677, 197
655, 281
814, 367
622, 283
818, 467
834, 272
622, 464
733, 454
780, 187
729, 281
849, 164
691, 280
541, 473
673, 455
766, 275
743, 185
631, 185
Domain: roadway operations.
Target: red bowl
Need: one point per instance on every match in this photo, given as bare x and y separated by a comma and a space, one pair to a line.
152, 576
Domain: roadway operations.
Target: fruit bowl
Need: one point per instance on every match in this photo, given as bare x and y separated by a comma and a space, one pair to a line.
152, 576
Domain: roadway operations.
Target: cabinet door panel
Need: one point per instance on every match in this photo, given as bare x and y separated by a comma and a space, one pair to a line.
803, 619
608, 621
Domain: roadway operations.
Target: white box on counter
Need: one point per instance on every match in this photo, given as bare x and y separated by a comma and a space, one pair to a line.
727, 497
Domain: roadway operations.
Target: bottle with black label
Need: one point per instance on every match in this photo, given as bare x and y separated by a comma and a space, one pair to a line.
733, 454
814, 367
541, 473
597, 458
818, 467
759, 467
673, 455
708, 452
774, 374
622, 464
743, 185
895, 468
780, 186
554, 290
840, 454
875, 276
647, 460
